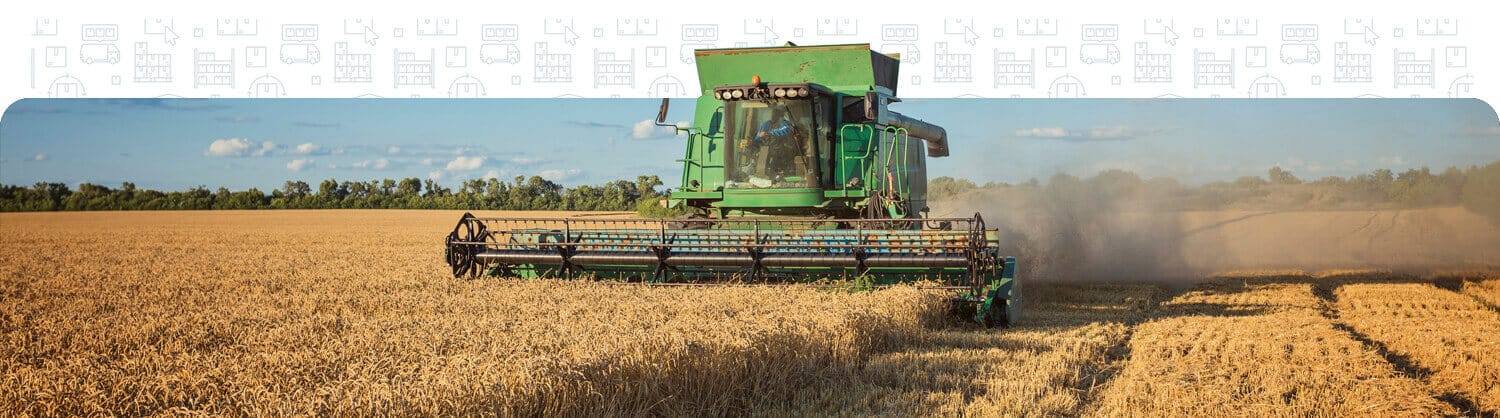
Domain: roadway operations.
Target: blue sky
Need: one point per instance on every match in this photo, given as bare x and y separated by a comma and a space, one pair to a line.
239, 143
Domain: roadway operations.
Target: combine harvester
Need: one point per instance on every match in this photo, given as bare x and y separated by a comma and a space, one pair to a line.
795, 171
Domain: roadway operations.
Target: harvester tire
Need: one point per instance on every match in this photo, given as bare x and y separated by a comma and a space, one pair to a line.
995, 318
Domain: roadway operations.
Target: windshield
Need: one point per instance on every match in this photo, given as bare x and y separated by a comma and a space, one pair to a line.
770, 144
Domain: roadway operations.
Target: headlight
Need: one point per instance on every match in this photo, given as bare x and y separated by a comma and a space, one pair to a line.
738, 93
780, 92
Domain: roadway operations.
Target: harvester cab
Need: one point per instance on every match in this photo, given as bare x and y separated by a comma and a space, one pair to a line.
795, 170
807, 132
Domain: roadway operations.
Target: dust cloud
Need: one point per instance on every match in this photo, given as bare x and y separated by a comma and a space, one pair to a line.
1113, 227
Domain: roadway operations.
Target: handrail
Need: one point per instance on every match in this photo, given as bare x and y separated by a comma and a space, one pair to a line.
844, 156
899, 138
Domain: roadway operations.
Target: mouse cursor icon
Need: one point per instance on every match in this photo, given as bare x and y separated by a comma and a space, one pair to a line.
370, 35
771, 35
169, 36
1169, 36
1370, 35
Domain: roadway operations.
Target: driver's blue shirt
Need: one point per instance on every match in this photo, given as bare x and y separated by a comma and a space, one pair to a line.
781, 129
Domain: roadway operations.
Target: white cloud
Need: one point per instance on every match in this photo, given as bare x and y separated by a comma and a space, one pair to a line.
1392, 161
376, 164
465, 163
238, 119
299, 164
1042, 133
647, 129
435, 175
1485, 131
393, 150
492, 174
266, 148
525, 160
232, 147
428, 161
559, 174
308, 148
39, 157
1112, 132
1100, 133
239, 147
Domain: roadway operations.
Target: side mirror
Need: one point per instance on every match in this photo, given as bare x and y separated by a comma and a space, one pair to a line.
661, 115
872, 106
713, 124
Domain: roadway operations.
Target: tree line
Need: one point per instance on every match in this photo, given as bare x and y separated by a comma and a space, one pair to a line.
1477, 188
534, 193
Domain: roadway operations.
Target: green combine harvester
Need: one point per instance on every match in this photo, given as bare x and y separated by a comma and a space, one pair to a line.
795, 171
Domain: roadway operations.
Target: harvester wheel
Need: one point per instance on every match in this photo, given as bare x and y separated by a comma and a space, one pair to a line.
461, 257
458, 259
996, 317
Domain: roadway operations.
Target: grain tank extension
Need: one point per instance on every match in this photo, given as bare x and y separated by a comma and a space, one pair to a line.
795, 170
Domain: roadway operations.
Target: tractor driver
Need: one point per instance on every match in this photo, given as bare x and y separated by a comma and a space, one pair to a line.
777, 127
775, 144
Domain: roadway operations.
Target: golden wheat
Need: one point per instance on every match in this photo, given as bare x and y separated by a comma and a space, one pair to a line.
273, 314
354, 313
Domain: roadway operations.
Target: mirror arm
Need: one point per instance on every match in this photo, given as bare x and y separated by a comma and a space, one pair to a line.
661, 114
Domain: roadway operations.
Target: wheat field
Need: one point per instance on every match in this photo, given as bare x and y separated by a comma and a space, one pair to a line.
354, 313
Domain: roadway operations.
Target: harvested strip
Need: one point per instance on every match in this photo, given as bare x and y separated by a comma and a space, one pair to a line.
1485, 290
1069, 344
1258, 348
1450, 335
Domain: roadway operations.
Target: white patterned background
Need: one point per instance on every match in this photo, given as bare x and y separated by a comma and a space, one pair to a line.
291, 49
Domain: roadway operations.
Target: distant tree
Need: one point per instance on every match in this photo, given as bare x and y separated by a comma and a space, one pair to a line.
1415, 188
409, 186
1481, 191
296, 189
388, 187
1278, 176
1250, 182
945, 187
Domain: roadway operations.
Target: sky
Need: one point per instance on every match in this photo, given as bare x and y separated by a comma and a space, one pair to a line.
175, 144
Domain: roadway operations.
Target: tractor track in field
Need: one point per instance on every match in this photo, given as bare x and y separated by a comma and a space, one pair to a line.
1355, 232
1456, 285
1369, 244
1226, 222
1116, 357
1402, 363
